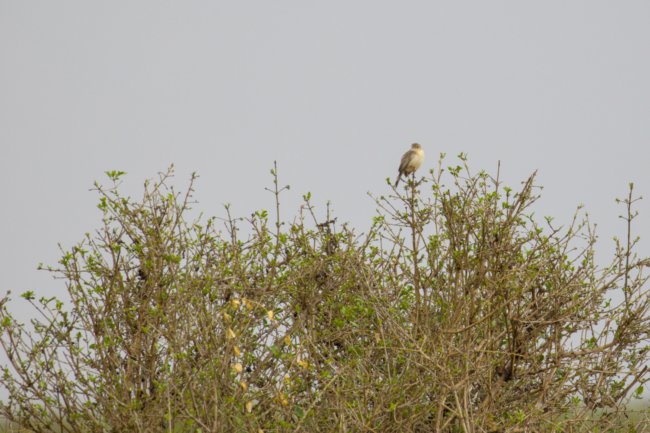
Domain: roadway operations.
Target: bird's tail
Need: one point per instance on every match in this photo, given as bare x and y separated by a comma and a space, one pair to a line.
399, 176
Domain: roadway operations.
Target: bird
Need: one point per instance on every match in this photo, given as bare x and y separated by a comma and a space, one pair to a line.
411, 161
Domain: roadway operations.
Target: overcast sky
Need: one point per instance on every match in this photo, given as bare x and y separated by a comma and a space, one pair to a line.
334, 90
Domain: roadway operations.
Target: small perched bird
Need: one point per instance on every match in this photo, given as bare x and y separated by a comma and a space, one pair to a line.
411, 161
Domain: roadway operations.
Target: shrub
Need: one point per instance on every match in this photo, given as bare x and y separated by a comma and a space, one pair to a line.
458, 310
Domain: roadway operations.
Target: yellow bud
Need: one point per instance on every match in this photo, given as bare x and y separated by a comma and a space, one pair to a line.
270, 315
227, 317
302, 363
248, 303
243, 385
284, 401
235, 303
236, 350
237, 367
249, 406
287, 340
230, 334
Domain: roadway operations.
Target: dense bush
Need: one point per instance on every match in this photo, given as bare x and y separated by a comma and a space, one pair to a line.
456, 311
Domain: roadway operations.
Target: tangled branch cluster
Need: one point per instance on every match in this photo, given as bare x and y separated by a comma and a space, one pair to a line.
457, 311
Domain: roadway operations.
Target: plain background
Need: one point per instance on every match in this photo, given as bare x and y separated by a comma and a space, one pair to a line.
335, 91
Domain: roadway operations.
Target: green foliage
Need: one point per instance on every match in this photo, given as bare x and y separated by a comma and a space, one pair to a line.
457, 311
115, 175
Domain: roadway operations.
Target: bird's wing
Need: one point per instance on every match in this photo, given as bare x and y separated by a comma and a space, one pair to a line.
406, 159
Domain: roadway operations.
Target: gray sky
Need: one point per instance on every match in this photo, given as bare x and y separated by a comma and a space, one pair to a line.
334, 90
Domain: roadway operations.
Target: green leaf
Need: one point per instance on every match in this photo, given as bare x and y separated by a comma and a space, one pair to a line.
299, 412
114, 175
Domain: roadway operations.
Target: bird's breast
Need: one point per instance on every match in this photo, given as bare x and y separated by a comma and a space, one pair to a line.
417, 160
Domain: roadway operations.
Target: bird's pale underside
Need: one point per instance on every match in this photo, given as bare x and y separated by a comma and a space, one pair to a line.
411, 161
